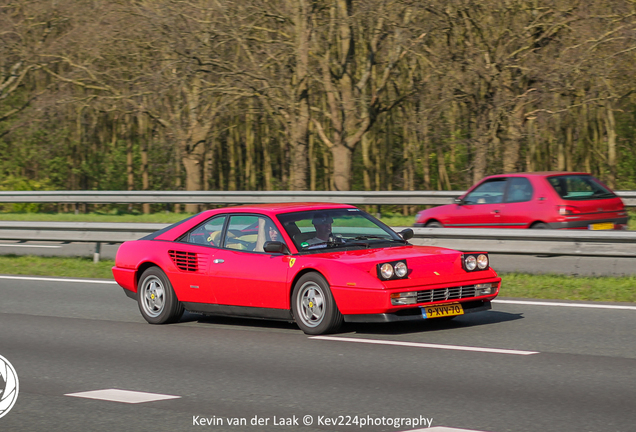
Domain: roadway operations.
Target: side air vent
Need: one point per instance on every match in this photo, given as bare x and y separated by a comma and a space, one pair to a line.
188, 261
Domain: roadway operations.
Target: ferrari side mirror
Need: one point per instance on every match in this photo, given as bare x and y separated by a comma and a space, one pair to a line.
275, 247
407, 233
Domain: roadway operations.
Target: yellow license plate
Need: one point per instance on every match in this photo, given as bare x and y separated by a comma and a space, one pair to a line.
437, 311
601, 226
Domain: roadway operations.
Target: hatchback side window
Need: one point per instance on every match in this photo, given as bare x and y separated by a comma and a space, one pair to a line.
519, 190
489, 192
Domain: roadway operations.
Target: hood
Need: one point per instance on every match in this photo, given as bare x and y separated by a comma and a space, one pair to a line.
427, 264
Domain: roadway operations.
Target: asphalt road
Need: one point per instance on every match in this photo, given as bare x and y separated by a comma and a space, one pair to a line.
572, 265
558, 368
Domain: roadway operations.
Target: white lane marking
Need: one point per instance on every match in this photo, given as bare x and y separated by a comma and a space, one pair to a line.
442, 429
29, 246
579, 305
32, 278
426, 345
124, 396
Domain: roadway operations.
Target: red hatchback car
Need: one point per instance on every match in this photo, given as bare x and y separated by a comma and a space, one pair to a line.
315, 264
558, 200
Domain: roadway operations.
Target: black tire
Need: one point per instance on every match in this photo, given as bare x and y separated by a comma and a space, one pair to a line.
313, 306
434, 224
539, 225
157, 301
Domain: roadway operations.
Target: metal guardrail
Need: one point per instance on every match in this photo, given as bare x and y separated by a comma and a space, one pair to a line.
91, 232
505, 241
247, 197
232, 197
531, 242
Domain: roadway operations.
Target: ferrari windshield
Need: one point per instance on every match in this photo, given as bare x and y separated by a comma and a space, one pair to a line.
336, 228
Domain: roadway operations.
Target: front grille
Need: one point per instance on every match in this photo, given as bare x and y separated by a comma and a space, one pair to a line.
441, 294
188, 261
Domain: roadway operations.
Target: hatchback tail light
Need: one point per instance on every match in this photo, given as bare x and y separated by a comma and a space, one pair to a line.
568, 210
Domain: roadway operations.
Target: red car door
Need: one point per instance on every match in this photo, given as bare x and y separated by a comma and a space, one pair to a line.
189, 277
241, 275
193, 258
519, 210
480, 208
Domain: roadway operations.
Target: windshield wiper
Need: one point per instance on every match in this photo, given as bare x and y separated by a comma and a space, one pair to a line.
367, 237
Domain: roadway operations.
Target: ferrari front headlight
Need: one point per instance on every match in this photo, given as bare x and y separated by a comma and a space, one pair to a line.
386, 270
482, 261
393, 270
471, 262
475, 261
401, 269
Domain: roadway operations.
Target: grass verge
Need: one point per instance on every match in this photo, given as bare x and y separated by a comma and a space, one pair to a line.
168, 218
556, 287
75, 267
563, 287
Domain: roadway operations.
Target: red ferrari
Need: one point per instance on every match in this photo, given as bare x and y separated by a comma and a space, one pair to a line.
558, 200
316, 264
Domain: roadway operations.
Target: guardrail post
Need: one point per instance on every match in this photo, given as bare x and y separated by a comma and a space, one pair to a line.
98, 247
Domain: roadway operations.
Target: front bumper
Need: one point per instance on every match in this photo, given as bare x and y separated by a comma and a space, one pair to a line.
413, 314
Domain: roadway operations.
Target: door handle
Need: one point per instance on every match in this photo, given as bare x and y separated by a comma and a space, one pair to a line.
218, 261
495, 211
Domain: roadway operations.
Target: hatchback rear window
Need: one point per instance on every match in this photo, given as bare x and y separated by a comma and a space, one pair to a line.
579, 187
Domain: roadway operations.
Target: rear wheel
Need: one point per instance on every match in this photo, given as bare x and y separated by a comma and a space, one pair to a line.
314, 308
157, 301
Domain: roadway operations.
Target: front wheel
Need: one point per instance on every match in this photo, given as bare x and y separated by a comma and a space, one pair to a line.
158, 303
314, 308
434, 224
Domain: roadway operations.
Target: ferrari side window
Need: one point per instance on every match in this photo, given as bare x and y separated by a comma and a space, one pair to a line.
208, 233
242, 232
489, 192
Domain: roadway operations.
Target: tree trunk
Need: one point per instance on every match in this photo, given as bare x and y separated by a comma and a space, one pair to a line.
341, 167
366, 162
144, 138
610, 125
513, 140
299, 129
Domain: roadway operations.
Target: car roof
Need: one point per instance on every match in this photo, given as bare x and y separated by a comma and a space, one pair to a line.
277, 208
538, 174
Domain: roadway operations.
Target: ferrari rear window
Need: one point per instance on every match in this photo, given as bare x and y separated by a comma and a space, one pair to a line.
579, 187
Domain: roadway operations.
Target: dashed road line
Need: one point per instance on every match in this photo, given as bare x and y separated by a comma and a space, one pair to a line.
443, 429
123, 396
